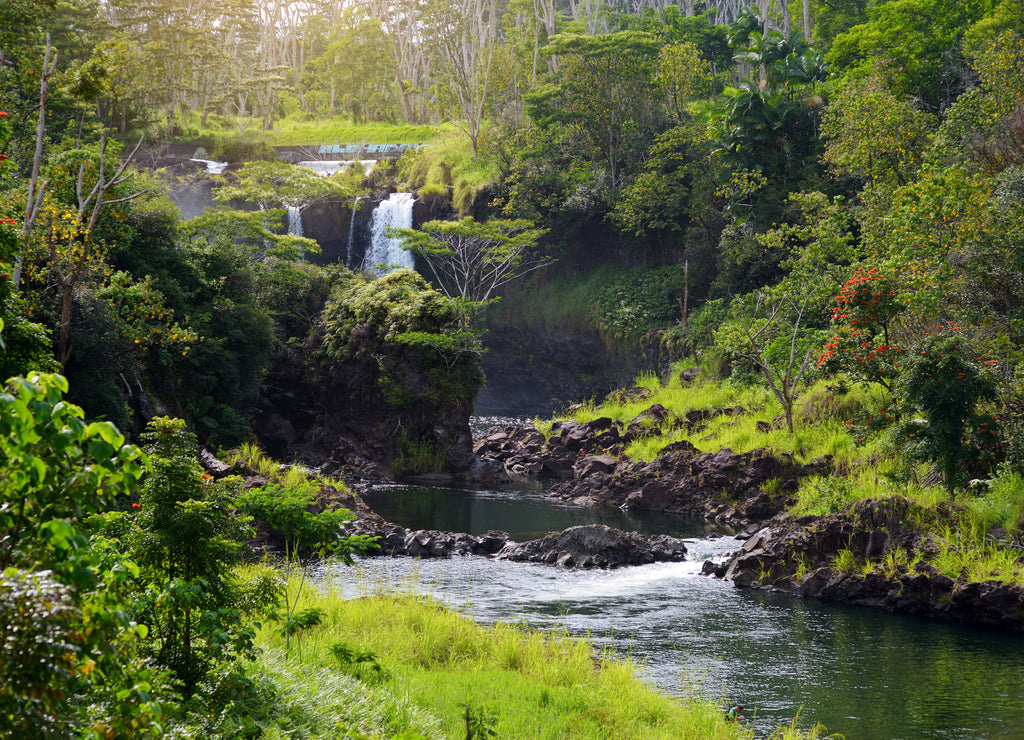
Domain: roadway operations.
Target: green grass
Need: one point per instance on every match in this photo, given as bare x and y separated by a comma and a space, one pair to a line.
825, 436
447, 163
973, 539
303, 130
435, 663
297, 132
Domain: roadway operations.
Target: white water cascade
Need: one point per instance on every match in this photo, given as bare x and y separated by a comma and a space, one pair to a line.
328, 167
352, 232
212, 168
386, 254
294, 221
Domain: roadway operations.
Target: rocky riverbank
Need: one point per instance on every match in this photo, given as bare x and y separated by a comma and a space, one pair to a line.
828, 558
885, 545
724, 487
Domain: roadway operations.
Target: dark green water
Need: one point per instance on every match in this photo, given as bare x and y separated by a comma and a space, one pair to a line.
864, 673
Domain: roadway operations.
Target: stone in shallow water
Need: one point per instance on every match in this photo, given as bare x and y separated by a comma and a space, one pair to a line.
596, 545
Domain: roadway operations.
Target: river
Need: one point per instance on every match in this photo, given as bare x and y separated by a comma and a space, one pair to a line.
864, 673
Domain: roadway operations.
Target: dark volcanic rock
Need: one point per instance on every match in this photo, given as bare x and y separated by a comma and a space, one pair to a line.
595, 545
795, 555
725, 487
586, 546
395, 540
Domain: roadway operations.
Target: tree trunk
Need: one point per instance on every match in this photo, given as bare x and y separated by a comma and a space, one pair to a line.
36, 190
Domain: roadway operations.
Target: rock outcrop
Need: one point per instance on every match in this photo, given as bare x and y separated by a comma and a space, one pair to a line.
799, 556
595, 546
588, 546
729, 488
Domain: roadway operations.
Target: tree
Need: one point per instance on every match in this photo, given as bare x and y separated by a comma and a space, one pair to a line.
938, 382
276, 184
354, 68
466, 32
683, 75
863, 343
70, 239
472, 260
919, 39
63, 628
188, 540
766, 333
309, 530
606, 95
875, 135
768, 123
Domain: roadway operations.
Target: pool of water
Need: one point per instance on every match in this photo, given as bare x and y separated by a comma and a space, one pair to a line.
864, 673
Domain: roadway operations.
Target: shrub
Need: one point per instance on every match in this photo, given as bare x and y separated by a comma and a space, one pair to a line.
941, 384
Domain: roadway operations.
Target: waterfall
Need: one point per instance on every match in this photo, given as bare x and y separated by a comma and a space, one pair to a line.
352, 232
328, 167
294, 221
212, 168
386, 254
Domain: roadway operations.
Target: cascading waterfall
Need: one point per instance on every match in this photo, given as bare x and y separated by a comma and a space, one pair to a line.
386, 254
352, 232
212, 168
328, 167
294, 221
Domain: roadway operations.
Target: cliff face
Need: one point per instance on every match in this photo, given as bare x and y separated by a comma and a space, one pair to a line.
362, 397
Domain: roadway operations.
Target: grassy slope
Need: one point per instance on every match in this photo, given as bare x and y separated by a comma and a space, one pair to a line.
433, 663
975, 542
298, 130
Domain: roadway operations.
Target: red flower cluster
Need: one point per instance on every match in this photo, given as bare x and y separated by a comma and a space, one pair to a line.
864, 308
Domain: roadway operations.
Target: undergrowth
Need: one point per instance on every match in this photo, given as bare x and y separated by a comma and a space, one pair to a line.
447, 164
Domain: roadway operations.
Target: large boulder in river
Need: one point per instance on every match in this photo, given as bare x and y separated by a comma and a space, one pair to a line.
595, 546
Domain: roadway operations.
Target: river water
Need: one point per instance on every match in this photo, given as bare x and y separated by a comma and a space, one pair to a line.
863, 673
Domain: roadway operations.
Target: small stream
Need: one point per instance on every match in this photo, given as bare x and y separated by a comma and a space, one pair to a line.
864, 673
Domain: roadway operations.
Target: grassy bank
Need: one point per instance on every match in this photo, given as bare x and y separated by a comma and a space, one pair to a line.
399, 665
302, 130
973, 536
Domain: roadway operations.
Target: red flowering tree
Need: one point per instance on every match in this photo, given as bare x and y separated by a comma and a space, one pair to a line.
862, 319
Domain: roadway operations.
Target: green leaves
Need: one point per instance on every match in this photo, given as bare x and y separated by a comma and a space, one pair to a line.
472, 259
940, 383
54, 467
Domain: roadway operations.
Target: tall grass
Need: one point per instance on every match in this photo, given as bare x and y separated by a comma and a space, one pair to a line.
303, 130
437, 663
751, 406
447, 162
966, 552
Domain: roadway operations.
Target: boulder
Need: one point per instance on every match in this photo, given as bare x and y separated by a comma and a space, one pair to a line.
650, 422
591, 464
870, 529
595, 545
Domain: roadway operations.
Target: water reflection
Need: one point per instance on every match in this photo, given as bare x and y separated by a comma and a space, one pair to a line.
524, 511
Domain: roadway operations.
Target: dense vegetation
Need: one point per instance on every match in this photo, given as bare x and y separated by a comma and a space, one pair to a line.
822, 203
